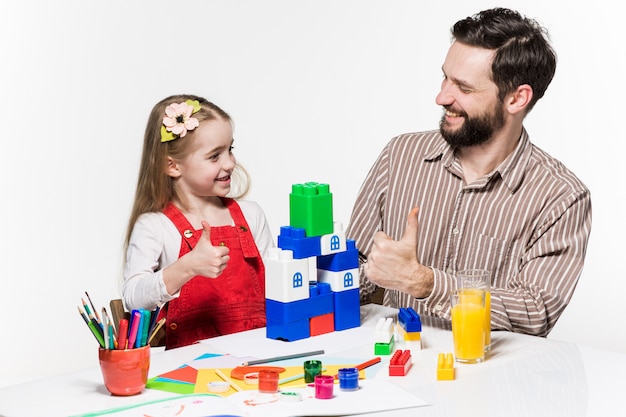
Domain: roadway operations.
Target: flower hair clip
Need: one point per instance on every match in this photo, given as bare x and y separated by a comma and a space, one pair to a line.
178, 121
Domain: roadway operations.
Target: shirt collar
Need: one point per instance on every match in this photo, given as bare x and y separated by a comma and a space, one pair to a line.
511, 170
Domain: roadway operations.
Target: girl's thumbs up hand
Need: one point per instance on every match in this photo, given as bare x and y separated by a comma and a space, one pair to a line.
210, 260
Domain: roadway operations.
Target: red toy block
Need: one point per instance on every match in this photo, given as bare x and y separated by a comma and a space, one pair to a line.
400, 363
322, 324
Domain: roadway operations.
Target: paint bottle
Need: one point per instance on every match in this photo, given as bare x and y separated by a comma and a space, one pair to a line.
348, 379
324, 385
268, 381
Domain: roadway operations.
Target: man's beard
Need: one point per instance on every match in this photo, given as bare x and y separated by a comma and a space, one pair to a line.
475, 130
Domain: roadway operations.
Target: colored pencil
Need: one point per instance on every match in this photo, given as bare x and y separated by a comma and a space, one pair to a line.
88, 311
280, 358
227, 379
153, 319
293, 378
83, 315
95, 329
92, 307
106, 313
105, 328
365, 364
158, 326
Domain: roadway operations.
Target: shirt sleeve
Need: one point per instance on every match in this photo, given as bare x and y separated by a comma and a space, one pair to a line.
533, 301
255, 216
154, 244
366, 217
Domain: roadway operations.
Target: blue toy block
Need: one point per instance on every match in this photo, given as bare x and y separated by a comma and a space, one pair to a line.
319, 302
289, 331
340, 261
410, 320
347, 309
311, 208
295, 240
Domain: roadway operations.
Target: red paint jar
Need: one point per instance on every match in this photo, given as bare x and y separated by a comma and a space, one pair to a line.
324, 385
268, 381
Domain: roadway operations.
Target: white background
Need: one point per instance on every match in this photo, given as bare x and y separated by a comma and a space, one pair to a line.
316, 88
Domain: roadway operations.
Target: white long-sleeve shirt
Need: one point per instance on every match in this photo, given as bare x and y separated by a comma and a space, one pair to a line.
155, 243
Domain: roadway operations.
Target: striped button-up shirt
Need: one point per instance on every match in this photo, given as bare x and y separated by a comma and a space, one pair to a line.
528, 222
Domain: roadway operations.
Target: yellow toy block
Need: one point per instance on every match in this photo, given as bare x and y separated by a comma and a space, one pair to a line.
409, 336
445, 367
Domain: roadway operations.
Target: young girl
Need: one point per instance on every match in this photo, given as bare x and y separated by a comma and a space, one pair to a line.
188, 244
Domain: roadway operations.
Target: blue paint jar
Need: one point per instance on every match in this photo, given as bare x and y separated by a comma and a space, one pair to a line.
348, 379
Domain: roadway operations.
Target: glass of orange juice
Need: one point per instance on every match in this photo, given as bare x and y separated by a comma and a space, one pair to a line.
479, 279
468, 325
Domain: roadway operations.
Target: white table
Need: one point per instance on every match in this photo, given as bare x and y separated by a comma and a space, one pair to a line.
523, 376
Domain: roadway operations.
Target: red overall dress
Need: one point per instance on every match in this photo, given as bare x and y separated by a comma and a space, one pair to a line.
232, 302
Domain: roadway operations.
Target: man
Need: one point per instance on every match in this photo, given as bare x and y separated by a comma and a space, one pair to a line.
477, 193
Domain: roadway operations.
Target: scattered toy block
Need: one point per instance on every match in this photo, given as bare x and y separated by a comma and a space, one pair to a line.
445, 367
409, 320
384, 348
383, 332
400, 363
409, 336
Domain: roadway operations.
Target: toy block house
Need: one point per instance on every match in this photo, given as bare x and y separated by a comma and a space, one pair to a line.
312, 277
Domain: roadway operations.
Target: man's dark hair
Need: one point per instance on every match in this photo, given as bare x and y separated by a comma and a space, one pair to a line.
523, 54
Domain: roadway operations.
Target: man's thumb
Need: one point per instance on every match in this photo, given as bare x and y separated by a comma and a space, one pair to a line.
412, 224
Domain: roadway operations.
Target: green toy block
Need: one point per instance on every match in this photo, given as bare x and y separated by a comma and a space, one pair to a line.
384, 348
311, 208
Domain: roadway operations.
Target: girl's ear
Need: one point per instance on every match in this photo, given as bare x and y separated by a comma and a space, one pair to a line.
172, 168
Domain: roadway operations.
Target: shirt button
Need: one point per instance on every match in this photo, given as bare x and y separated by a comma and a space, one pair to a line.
173, 326
455, 231
438, 307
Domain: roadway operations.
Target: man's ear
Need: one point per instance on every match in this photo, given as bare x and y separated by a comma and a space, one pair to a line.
519, 100
172, 168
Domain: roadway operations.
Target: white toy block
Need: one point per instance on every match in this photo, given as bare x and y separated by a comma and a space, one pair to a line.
383, 333
286, 278
335, 242
312, 267
340, 280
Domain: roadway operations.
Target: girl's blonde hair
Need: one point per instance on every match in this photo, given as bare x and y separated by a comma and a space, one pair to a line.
155, 189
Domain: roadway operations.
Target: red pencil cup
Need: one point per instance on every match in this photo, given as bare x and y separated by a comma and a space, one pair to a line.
125, 372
